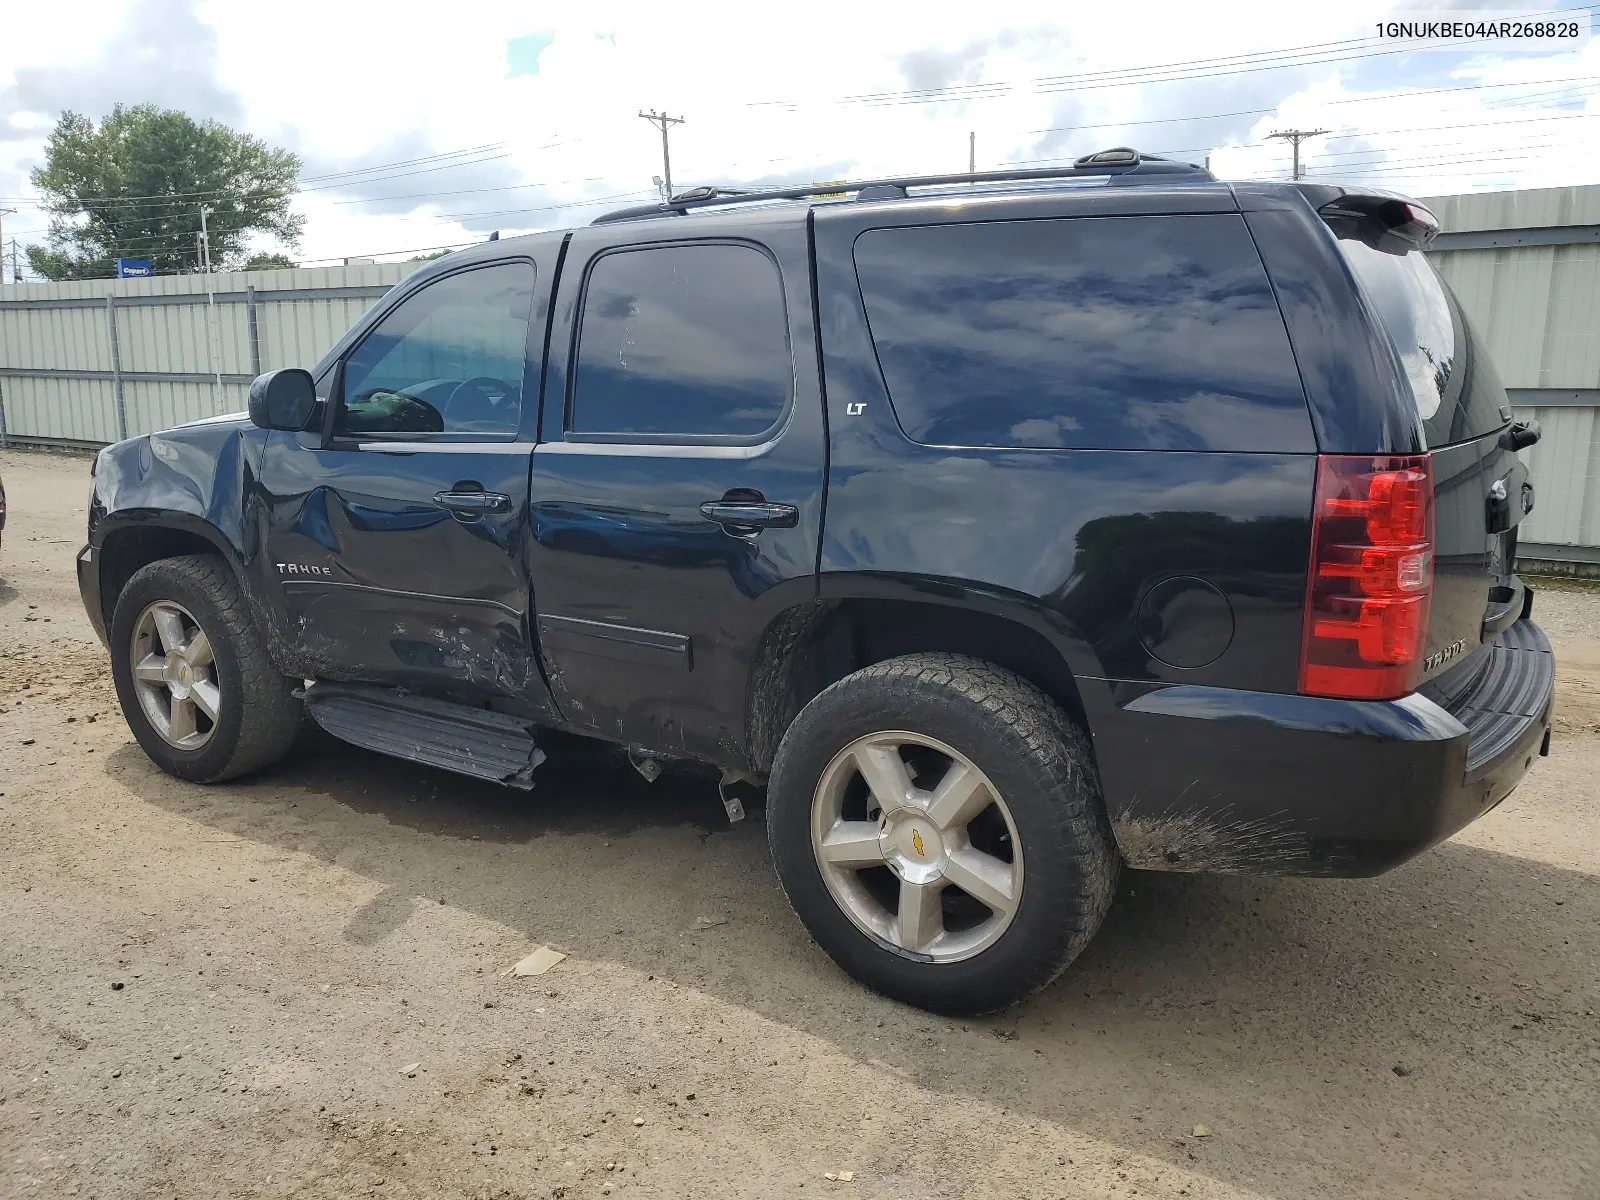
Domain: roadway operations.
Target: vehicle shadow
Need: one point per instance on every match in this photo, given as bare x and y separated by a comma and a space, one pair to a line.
1431, 1031
583, 786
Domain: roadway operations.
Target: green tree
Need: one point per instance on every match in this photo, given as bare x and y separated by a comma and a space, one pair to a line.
267, 262
132, 187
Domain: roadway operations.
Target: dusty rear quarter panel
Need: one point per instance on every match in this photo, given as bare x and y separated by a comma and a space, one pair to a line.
1068, 541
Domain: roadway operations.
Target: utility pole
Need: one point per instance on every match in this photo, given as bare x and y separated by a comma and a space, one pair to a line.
211, 309
663, 122
15, 278
1294, 137
972, 153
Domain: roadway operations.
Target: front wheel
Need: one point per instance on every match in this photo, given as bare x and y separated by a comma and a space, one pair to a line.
193, 676
937, 824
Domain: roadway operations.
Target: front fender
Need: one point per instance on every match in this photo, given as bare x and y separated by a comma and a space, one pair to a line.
191, 477
183, 491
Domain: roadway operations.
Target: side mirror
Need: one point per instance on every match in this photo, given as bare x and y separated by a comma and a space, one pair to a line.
283, 399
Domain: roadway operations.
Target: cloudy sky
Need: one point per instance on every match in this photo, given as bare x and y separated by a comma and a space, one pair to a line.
427, 125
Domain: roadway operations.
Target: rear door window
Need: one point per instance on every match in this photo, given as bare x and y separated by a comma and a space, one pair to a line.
1106, 333
684, 341
1458, 392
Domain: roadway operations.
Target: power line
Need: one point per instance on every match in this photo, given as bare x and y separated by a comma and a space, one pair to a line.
1326, 154
1238, 64
382, 253
508, 187
1446, 151
169, 206
1089, 81
156, 240
340, 180
407, 162
976, 90
15, 277
1257, 112
1421, 165
1309, 55
153, 209
1360, 133
305, 179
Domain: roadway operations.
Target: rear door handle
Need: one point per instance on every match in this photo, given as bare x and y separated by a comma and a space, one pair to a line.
472, 503
748, 516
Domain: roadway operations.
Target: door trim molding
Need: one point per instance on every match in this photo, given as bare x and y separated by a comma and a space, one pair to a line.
438, 447
367, 587
627, 642
657, 449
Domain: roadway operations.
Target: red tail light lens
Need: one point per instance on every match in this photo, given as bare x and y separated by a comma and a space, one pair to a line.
1370, 578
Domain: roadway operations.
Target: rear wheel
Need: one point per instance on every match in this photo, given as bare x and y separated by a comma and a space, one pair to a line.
937, 824
192, 673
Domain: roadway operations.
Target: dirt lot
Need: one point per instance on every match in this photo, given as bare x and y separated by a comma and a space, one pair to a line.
213, 991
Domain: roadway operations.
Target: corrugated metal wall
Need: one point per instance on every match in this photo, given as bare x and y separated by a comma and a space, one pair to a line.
1526, 267
60, 373
1565, 467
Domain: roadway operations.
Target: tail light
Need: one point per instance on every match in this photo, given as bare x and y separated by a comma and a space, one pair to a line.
1370, 579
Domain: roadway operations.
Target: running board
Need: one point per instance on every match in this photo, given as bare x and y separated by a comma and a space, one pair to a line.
454, 737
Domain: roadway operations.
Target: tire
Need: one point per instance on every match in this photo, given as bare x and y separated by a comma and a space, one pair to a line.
257, 714
1048, 862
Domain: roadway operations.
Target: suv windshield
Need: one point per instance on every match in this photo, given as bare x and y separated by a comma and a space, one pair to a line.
1459, 396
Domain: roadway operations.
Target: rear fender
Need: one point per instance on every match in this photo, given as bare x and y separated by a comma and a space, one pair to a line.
862, 619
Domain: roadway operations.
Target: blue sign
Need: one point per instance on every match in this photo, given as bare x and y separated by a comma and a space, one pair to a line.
134, 268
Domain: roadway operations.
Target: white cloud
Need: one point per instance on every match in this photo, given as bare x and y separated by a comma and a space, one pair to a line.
766, 94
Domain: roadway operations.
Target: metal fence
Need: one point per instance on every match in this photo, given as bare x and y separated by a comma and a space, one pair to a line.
1526, 267
90, 362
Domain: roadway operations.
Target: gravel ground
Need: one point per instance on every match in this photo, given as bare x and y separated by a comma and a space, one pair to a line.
214, 991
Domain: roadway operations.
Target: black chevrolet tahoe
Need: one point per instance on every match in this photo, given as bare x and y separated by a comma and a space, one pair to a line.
1008, 528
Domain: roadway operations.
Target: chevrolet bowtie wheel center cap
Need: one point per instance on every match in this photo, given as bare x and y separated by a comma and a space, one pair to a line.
913, 848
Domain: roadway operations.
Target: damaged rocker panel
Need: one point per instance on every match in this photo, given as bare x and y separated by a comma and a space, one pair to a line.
454, 737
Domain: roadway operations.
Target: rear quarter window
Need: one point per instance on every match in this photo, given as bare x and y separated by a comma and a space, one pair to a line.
1458, 393
1106, 333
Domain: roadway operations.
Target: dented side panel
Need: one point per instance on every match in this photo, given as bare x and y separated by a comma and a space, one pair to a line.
380, 584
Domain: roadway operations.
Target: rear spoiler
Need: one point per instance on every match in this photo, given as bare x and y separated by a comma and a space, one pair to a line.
1388, 221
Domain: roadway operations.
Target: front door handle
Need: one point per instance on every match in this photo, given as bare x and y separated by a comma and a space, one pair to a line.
750, 516
472, 502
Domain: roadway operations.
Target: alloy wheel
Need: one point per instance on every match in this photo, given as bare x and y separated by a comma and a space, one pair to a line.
175, 675
916, 846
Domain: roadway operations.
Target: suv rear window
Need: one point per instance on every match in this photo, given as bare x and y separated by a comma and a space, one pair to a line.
1099, 333
1459, 395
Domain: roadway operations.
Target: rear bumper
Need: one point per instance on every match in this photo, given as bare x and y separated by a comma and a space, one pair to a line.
1212, 779
89, 589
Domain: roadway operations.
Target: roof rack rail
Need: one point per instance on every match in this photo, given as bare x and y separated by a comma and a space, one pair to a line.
1120, 160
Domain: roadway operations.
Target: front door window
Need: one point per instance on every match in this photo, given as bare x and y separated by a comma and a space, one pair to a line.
448, 361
